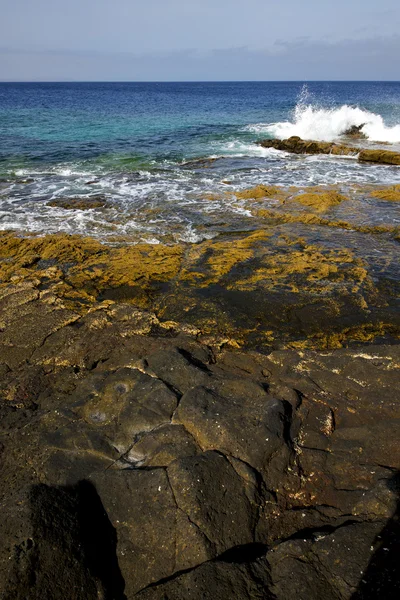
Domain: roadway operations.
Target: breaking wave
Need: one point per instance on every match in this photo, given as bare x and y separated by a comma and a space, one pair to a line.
312, 122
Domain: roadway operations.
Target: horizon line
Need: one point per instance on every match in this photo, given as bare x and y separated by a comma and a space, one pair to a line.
202, 81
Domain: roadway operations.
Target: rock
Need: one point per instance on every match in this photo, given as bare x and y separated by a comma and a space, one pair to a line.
160, 447
155, 537
245, 422
296, 145
24, 181
125, 404
178, 369
320, 201
222, 580
213, 473
391, 193
215, 498
385, 157
68, 549
28, 327
355, 131
79, 203
322, 565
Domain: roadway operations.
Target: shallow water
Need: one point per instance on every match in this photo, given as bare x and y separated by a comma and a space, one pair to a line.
130, 143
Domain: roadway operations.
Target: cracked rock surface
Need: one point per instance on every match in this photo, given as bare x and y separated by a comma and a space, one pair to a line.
150, 465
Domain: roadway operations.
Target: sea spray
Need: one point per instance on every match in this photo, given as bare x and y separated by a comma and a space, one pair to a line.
311, 121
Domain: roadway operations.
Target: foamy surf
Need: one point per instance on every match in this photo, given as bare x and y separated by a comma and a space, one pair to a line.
323, 124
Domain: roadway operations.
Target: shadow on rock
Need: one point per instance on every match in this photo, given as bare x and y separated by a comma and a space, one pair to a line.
382, 577
72, 552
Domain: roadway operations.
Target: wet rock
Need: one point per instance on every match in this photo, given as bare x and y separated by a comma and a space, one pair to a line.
199, 163
298, 146
385, 157
390, 193
79, 203
355, 131
320, 201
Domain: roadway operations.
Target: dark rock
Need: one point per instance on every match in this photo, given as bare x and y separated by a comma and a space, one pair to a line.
242, 580
355, 131
70, 549
125, 404
160, 447
321, 565
245, 422
155, 537
216, 499
29, 327
178, 369
219, 474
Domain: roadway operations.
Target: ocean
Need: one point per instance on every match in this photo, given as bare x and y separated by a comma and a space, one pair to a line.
163, 160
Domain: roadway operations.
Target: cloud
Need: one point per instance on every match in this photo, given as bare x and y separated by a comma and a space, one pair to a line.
301, 59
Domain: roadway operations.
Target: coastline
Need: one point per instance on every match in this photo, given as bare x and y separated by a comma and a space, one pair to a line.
209, 420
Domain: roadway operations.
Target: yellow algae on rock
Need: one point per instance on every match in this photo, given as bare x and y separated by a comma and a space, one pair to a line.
313, 219
88, 268
391, 193
260, 191
210, 261
320, 201
307, 270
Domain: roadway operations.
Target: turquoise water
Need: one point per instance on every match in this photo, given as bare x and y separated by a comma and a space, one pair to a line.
130, 142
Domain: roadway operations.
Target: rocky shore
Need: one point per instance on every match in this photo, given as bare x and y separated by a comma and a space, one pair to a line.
298, 146
204, 421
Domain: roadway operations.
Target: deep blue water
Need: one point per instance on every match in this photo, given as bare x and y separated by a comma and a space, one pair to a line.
132, 138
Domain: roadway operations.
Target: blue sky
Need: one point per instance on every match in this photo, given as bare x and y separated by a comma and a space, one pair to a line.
156, 40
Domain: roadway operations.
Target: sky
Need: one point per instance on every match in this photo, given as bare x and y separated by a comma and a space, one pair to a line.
185, 40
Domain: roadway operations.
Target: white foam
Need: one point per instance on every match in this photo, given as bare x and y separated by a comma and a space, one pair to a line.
311, 122
239, 149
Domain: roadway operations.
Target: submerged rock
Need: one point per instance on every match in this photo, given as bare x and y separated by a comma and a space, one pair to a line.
79, 203
391, 193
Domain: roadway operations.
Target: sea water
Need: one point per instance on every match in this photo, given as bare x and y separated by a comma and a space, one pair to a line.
138, 145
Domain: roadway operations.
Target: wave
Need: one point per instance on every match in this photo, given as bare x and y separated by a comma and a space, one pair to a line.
312, 122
